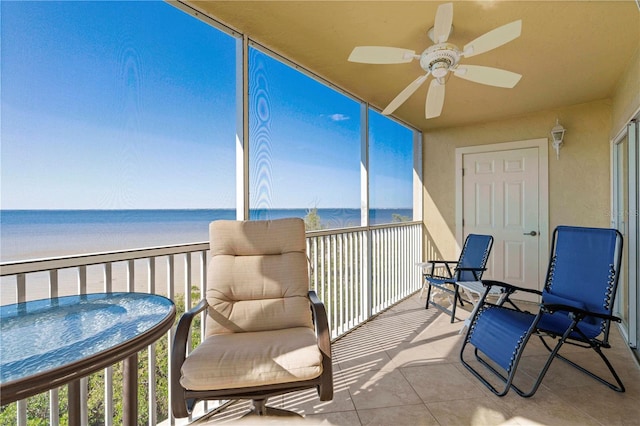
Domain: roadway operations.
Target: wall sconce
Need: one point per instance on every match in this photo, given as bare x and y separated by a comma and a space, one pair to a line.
557, 134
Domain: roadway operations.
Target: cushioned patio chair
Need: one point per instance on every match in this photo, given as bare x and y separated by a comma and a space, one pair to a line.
576, 308
266, 333
469, 267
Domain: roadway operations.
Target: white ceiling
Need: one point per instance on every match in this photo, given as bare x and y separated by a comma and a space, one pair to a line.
570, 52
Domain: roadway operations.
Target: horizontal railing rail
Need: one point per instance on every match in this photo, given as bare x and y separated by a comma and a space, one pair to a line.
61, 262
357, 272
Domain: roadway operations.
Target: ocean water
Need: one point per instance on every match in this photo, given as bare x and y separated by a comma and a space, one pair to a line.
32, 234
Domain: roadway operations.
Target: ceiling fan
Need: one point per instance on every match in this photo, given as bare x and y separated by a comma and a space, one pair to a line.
443, 58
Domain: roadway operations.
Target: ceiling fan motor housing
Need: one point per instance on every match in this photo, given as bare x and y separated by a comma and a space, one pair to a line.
439, 59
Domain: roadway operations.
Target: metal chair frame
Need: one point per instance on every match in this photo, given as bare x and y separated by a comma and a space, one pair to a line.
183, 400
572, 335
454, 276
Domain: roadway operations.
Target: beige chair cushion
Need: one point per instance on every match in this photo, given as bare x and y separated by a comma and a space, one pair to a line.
257, 277
230, 361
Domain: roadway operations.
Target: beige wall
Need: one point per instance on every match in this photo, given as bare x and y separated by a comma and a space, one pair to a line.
626, 99
578, 182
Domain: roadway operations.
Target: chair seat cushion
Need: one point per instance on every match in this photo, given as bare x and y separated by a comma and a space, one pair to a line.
230, 361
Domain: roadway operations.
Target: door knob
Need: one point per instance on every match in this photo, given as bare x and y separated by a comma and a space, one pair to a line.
532, 233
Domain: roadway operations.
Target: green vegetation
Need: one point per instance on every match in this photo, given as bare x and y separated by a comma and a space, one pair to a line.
397, 217
38, 406
312, 220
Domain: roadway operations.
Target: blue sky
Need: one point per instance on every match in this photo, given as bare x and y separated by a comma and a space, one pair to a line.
132, 105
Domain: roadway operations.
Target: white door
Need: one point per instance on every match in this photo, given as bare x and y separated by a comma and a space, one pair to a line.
500, 198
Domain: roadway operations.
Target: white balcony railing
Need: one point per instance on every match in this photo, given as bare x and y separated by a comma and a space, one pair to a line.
357, 272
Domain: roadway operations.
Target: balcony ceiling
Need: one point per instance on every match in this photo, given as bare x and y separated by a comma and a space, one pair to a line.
570, 52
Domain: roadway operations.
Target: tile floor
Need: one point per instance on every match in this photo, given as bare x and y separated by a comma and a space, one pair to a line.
402, 368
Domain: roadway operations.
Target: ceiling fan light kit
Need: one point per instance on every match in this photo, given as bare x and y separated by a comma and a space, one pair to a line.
441, 58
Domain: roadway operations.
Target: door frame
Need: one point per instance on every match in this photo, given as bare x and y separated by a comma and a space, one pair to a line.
631, 334
543, 191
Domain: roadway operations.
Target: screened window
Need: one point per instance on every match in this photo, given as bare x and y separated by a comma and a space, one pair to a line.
304, 147
125, 107
390, 170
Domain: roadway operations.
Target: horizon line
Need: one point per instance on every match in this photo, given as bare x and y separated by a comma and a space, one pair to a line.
202, 208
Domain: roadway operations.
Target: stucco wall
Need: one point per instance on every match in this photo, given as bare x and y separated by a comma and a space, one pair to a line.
578, 182
626, 99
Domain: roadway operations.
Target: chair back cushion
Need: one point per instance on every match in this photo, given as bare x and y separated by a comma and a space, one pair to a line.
257, 276
475, 254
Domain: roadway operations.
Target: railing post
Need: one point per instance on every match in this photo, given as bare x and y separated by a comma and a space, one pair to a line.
54, 398
170, 295
21, 412
367, 274
151, 354
131, 276
108, 372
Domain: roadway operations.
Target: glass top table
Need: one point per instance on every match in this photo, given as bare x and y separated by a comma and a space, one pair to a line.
51, 342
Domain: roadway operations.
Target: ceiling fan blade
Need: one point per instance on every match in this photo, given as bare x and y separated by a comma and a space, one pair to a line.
487, 75
494, 38
381, 55
442, 26
435, 100
404, 95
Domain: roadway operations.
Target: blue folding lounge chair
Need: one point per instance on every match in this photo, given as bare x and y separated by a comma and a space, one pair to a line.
576, 308
469, 267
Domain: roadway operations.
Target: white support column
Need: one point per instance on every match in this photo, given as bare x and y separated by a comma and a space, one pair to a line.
364, 207
364, 164
242, 128
418, 176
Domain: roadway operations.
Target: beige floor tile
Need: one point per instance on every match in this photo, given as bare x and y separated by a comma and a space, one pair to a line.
377, 389
549, 409
608, 407
475, 411
406, 415
415, 354
344, 418
441, 382
562, 374
307, 402
359, 352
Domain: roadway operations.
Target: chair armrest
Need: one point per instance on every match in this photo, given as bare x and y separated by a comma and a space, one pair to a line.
439, 263
509, 288
179, 354
579, 313
179, 351
321, 323
325, 390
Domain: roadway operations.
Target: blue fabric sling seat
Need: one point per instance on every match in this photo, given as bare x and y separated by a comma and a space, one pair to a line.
468, 268
576, 308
